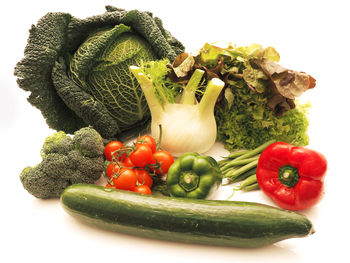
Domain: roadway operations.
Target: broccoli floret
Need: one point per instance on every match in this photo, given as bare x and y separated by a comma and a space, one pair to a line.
66, 161
57, 165
85, 169
88, 142
58, 142
41, 185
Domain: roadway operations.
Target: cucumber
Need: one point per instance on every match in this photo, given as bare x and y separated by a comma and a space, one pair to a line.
210, 222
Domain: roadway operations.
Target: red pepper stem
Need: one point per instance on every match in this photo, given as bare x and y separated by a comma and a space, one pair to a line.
288, 175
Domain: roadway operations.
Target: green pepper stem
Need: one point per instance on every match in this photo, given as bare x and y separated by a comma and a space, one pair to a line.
189, 181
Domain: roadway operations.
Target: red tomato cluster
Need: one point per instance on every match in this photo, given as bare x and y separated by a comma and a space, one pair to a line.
132, 168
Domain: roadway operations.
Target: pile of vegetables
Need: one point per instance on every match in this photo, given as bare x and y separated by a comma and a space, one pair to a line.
80, 76
258, 101
119, 75
292, 176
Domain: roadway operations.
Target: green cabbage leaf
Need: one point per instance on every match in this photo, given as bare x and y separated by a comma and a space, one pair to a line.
77, 70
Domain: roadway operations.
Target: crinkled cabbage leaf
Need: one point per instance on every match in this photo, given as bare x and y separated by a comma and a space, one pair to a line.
77, 69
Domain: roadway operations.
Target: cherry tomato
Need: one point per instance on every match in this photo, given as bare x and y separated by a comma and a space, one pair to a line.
165, 159
148, 140
127, 162
126, 179
116, 149
142, 155
143, 177
112, 169
142, 189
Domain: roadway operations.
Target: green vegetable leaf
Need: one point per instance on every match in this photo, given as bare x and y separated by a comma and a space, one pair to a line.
259, 99
100, 67
271, 54
93, 50
253, 77
254, 50
248, 122
71, 103
210, 53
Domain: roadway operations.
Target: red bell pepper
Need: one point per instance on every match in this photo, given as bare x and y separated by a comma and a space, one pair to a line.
291, 176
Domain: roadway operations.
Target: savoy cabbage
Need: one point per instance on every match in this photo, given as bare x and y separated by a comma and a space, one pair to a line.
77, 69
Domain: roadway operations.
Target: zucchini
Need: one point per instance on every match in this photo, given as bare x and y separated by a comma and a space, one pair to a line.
210, 222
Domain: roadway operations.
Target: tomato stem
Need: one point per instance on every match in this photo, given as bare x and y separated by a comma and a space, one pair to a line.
160, 137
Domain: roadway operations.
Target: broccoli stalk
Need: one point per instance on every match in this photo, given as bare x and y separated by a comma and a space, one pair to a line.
65, 161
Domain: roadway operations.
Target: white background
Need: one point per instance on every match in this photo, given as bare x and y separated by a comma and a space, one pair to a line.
311, 36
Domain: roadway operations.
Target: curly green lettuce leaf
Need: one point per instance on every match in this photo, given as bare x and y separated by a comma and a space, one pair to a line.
245, 121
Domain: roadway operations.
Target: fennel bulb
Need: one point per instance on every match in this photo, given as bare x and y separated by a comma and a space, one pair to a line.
187, 126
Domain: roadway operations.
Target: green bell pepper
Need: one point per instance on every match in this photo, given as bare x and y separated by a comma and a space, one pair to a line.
193, 175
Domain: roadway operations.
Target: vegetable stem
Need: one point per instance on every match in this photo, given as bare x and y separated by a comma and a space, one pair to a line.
255, 151
242, 169
237, 154
239, 178
146, 84
251, 180
161, 93
239, 162
207, 103
251, 187
244, 175
188, 96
